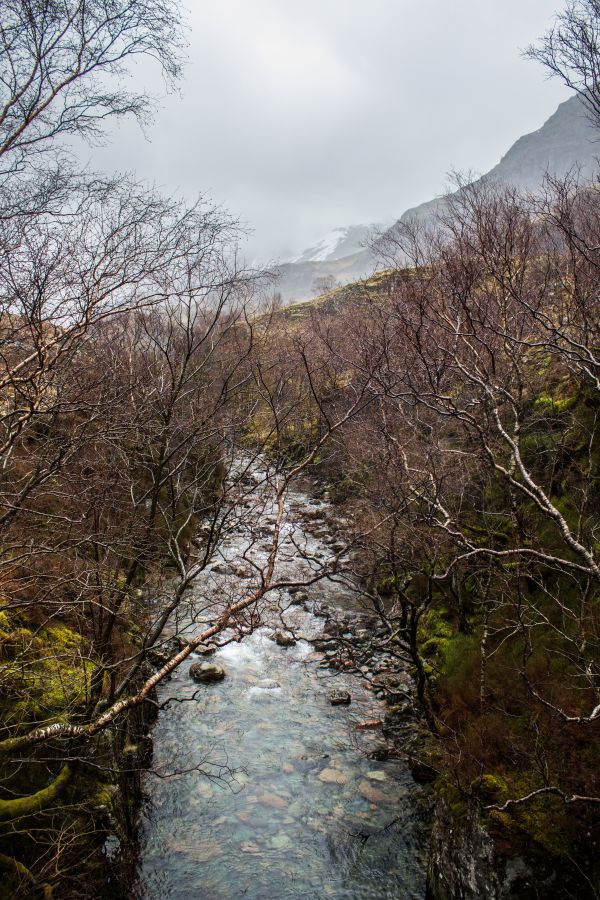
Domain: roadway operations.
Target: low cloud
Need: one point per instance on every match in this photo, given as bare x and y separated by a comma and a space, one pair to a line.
301, 117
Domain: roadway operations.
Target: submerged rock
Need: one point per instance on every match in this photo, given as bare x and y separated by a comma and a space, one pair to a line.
268, 684
332, 776
340, 698
206, 673
372, 794
273, 800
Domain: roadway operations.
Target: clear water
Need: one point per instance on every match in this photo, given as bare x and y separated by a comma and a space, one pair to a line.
290, 805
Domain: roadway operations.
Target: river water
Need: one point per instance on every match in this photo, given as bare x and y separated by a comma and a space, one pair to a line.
279, 797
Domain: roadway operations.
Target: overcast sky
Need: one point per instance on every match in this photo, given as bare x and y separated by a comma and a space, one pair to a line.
301, 116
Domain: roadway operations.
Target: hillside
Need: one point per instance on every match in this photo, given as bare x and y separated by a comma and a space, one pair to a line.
567, 141
564, 142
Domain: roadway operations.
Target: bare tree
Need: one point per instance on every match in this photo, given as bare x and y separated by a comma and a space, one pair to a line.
476, 466
571, 51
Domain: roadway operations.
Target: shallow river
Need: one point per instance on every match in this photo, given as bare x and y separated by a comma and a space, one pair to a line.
291, 805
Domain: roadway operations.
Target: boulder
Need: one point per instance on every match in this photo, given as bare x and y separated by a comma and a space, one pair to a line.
282, 639
206, 673
159, 656
324, 642
340, 698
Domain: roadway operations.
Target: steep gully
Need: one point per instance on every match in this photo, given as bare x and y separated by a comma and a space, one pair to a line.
279, 793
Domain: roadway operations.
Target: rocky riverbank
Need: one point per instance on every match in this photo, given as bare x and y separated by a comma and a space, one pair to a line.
471, 855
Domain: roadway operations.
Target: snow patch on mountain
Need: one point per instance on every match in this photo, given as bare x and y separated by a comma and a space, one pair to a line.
338, 243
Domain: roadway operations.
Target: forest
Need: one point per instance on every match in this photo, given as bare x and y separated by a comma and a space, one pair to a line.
450, 403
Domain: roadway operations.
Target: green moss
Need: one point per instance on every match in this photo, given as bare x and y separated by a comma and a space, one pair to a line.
60, 636
104, 796
554, 405
5, 625
542, 819
490, 789
33, 803
436, 633
49, 672
452, 797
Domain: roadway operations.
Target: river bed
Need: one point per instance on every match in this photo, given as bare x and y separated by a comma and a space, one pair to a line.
291, 803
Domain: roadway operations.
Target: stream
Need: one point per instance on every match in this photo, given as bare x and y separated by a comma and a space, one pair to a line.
277, 795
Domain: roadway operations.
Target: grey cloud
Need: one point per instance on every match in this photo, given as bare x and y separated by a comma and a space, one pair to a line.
302, 116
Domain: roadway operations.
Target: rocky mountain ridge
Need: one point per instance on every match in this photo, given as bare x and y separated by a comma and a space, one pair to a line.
565, 142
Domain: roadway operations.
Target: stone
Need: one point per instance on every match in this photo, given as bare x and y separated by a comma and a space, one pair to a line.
249, 847
325, 642
332, 776
376, 775
268, 684
372, 794
159, 657
281, 842
282, 639
273, 800
340, 698
379, 752
206, 673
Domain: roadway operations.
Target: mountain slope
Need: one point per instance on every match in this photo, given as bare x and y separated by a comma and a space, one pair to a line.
565, 141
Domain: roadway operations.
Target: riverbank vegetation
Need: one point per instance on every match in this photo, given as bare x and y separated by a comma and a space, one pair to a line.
476, 466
